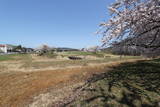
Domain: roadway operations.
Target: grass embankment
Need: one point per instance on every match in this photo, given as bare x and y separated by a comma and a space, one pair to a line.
126, 85
32, 62
84, 62
66, 63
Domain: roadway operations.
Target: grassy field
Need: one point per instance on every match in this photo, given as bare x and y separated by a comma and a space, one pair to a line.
126, 85
23, 77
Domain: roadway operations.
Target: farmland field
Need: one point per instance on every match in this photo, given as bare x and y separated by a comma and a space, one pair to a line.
31, 80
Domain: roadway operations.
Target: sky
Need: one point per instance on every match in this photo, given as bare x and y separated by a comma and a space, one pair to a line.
59, 23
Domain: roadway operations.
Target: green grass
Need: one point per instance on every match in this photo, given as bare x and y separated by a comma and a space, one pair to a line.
127, 85
7, 57
13, 57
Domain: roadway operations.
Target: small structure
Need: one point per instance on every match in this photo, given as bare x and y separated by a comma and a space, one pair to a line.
29, 50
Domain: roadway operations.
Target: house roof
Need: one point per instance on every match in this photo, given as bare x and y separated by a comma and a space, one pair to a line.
2, 45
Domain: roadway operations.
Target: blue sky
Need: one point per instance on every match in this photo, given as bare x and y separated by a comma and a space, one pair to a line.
61, 23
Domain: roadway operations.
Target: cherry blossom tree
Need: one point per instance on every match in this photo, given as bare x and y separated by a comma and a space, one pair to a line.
138, 21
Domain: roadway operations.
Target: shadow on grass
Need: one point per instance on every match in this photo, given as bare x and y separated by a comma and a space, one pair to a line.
129, 84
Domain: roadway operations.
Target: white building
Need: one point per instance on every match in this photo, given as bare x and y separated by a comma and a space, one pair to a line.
6, 48
3, 48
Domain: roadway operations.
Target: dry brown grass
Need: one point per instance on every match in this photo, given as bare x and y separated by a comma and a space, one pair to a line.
17, 88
